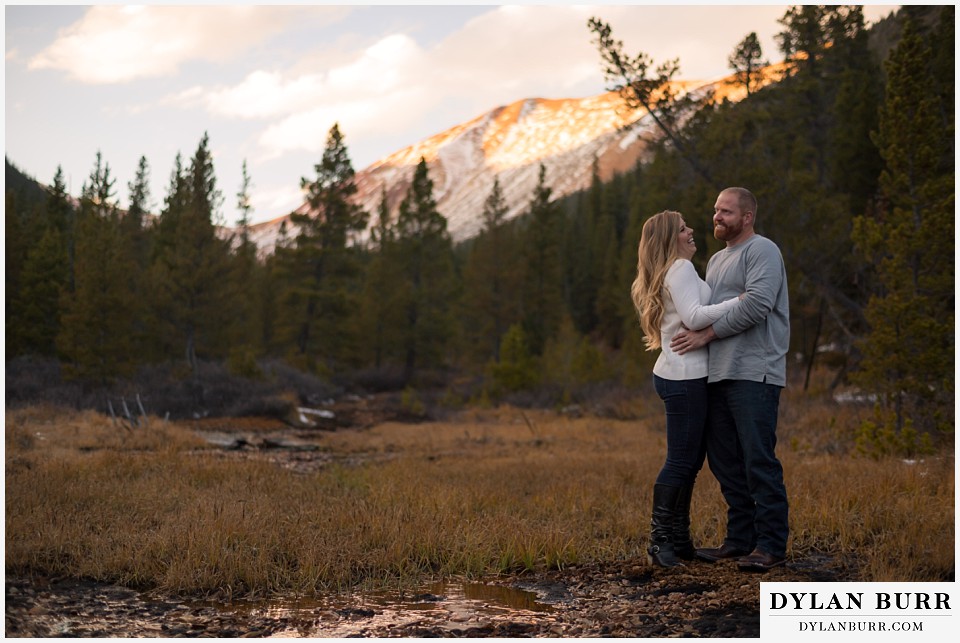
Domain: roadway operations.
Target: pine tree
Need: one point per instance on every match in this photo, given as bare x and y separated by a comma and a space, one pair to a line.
248, 284
516, 369
174, 205
60, 211
610, 294
491, 299
853, 161
320, 307
801, 41
244, 205
641, 84
381, 314
33, 318
429, 282
136, 246
134, 222
747, 62
584, 255
543, 304
192, 268
37, 309
908, 355
96, 337
943, 45
607, 234
15, 246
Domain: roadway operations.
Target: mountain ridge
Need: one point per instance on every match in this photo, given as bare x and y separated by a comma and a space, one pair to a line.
508, 143
568, 135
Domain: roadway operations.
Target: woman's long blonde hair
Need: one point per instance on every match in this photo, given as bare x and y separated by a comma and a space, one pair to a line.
655, 255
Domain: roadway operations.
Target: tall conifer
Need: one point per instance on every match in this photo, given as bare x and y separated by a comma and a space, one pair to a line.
37, 309
429, 282
96, 338
908, 355
584, 255
382, 317
320, 307
191, 272
247, 279
134, 223
34, 317
747, 62
491, 298
543, 305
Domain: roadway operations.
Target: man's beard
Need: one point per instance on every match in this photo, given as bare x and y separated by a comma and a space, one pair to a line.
725, 233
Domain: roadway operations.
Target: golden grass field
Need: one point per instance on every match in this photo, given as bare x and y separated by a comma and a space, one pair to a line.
491, 491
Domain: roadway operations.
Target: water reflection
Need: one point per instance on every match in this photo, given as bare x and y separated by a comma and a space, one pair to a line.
494, 596
457, 606
449, 604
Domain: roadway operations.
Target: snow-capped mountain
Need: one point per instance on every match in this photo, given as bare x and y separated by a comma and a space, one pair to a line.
509, 143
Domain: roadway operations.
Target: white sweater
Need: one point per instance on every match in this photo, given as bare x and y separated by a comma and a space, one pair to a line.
685, 296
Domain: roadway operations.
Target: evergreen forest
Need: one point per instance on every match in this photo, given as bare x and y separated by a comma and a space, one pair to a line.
850, 154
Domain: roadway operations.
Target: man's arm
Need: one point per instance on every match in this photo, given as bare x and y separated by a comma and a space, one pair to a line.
764, 277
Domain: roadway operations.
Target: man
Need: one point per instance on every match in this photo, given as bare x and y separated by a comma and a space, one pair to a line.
747, 371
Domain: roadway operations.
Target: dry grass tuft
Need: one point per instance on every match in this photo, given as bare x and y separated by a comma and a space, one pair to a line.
496, 490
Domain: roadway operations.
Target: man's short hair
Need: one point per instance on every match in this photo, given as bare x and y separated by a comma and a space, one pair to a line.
745, 200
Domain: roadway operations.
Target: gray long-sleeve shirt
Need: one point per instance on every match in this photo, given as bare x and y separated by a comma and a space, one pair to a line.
753, 338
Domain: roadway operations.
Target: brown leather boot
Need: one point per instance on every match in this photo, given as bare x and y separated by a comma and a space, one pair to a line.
723, 552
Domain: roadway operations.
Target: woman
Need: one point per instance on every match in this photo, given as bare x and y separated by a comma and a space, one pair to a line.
668, 295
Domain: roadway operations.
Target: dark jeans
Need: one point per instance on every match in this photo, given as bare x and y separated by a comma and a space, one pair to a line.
741, 440
686, 405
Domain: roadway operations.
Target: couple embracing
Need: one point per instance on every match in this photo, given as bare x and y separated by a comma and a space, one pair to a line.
722, 366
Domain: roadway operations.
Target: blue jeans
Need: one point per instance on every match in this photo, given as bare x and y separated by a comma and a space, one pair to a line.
685, 402
741, 439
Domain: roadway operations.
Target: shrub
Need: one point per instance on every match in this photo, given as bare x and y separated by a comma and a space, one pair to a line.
242, 362
517, 369
880, 437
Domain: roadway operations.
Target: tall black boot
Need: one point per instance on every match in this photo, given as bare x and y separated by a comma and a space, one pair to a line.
682, 543
660, 552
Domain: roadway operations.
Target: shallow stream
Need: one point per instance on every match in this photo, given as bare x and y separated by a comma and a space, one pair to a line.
90, 609
451, 604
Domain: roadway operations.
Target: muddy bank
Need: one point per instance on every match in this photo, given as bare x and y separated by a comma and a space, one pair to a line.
620, 599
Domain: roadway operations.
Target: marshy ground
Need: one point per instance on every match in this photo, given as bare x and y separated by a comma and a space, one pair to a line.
623, 599
493, 522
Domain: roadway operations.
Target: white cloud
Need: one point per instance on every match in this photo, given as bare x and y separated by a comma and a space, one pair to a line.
115, 44
508, 53
551, 41
263, 94
378, 89
395, 83
365, 117
367, 76
267, 202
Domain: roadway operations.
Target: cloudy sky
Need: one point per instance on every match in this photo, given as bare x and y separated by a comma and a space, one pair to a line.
267, 82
